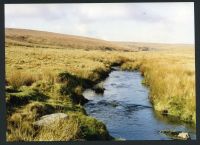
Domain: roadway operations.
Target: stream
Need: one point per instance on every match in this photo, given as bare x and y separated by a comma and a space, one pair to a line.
125, 109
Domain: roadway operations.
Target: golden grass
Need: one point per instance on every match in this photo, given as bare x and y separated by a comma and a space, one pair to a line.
41, 39
62, 130
18, 79
23, 63
169, 74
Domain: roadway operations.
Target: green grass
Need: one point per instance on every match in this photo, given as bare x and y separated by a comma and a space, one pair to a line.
64, 94
45, 78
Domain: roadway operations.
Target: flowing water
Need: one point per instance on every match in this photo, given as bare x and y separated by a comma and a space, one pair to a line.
125, 109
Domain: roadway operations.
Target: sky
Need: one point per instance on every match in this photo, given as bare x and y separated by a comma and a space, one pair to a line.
136, 22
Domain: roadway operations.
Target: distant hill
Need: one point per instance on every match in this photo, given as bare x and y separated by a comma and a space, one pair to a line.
33, 38
142, 46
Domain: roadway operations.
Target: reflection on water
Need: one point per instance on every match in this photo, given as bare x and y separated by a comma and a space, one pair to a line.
125, 109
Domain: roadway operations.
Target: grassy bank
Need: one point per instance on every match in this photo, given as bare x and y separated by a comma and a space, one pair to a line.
38, 83
170, 76
50, 78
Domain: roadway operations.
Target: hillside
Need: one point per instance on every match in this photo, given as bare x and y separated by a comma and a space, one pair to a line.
32, 38
47, 73
142, 46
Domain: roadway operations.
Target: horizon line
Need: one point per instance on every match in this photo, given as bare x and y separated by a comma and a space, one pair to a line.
179, 43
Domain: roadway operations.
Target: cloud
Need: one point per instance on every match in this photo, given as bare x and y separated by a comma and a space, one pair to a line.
147, 22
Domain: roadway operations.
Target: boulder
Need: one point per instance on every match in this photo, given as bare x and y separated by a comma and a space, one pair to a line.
47, 120
184, 135
176, 134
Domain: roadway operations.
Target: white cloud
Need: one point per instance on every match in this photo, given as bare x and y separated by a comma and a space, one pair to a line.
109, 10
147, 22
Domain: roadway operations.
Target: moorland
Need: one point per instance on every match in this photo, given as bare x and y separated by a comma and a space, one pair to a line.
47, 73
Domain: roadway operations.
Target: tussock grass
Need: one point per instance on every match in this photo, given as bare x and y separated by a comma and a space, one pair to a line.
18, 79
44, 77
170, 76
63, 130
77, 127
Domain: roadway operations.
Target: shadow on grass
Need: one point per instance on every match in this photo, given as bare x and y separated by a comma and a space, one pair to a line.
70, 84
23, 97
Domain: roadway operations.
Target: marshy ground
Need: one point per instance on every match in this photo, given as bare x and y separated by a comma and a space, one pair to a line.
47, 73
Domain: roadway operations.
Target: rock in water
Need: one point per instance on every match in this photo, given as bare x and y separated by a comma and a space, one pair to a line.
176, 134
184, 135
46, 120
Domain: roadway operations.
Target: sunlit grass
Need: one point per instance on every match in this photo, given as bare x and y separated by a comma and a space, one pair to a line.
170, 76
47, 78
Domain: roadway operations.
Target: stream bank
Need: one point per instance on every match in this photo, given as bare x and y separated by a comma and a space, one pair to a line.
125, 109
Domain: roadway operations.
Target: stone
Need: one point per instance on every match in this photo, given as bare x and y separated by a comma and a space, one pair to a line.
47, 120
176, 134
184, 135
